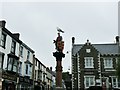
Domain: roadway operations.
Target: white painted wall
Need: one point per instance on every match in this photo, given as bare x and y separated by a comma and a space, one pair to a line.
0, 32
119, 18
23, 59
44, 71
50, 76
7, 49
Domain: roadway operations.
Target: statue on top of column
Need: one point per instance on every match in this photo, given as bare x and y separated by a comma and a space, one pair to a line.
59, 44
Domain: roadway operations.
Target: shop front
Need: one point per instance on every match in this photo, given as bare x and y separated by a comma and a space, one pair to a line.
1, 79
25, 83
9, 81
37, 85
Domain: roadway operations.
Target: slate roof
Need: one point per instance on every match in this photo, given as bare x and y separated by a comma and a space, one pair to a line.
111, 48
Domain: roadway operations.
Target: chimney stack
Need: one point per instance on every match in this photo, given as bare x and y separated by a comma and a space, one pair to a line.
17, 35
50, 68
2, 23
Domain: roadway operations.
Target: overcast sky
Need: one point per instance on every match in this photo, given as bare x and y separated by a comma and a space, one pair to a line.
37, 21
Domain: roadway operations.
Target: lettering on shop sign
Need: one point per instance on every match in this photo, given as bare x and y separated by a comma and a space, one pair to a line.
9, 77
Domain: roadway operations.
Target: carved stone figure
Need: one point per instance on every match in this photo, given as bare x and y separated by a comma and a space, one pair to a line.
59, 44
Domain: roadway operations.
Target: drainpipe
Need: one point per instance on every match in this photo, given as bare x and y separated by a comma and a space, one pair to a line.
73, 41
100, 67
33, 71
118, 43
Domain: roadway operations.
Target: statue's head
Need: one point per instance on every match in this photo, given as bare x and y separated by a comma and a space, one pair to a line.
58, 34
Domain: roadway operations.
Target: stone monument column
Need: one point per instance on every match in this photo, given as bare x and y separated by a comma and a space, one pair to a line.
59, 55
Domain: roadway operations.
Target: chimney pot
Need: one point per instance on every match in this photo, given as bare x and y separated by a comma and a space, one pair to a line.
17, 35
51, 68
73, 40
117, 39
2, 23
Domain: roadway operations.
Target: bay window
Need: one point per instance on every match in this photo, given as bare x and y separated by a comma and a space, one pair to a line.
12, 64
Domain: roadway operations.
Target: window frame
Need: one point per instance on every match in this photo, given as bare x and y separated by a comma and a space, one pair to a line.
26, 69
89, 62
108, 62
88, 50
35, 74
21, 51
38, 74
20, 67
89, 81
2, 60
36, 62
3, 40
13, 46
28, 55
15, 64
12, 63
116, 82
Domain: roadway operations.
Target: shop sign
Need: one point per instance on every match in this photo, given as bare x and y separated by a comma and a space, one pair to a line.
9, 77
25, 80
